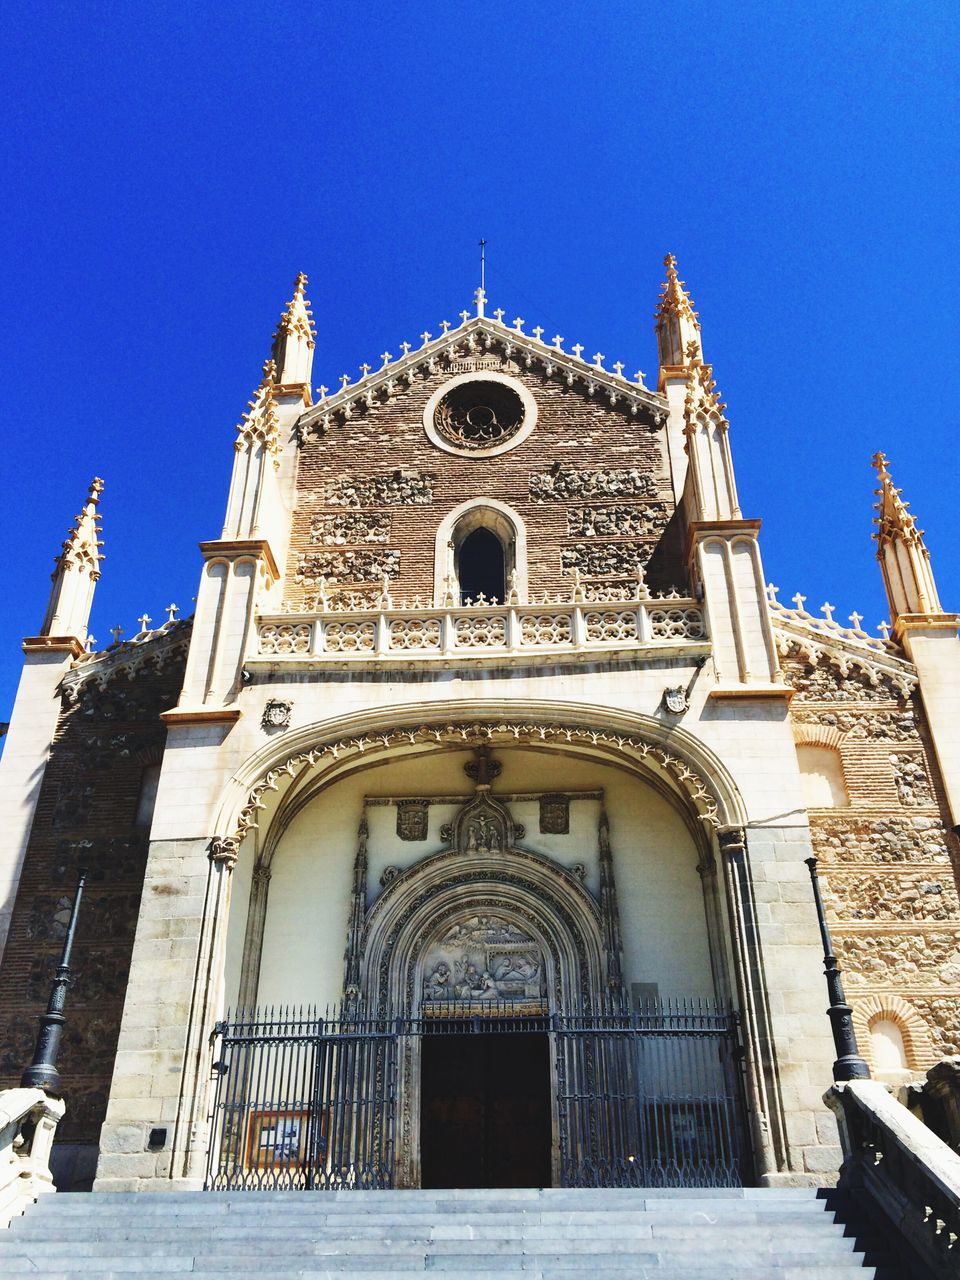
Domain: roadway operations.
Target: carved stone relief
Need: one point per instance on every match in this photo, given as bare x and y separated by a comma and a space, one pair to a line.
559, 484
276, 714
406, 488
412, 818
555, 815
346, 566
606, 559
348, 528
617, 521
481, 959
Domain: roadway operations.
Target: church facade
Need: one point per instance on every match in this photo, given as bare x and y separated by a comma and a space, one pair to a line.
468, 817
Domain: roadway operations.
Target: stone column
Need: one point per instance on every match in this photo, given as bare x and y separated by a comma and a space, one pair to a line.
161, 1075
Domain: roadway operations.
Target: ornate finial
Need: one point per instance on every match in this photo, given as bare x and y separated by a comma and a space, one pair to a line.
295, 339
677, 326
903, 555
144, 621
116, 632
480, 298
171, 611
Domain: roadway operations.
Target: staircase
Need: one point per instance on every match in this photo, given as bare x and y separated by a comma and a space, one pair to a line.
545, 1235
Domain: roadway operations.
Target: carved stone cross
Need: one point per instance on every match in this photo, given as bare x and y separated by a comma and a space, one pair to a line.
518, 324
577, 348
405, 348
172, 611
444, 325
799, 601
856, 619
323, 391
618, 368
364, 369
386, 357
344, 379
116, 632
598, 360
426, 337
499, 314
464, 316
827, 609
538, 332
558, 341
143, 620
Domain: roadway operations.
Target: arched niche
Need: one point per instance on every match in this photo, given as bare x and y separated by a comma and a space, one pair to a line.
821, 777
306, 858
462, 535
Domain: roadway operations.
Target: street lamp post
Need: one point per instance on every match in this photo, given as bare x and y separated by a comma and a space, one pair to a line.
849, 1065
42, 1072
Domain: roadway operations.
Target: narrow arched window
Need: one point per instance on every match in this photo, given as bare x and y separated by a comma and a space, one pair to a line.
481, 566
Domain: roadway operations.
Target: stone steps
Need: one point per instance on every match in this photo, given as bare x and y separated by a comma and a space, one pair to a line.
787, 1234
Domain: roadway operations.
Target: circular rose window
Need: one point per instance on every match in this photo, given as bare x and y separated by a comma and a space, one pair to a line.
479, 414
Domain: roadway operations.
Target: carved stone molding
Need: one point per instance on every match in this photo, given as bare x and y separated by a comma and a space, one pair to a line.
225, 851
617, 520
697, 788
276, 714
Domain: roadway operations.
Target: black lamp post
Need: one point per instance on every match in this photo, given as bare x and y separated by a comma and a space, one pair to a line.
849, 1065
42, 1072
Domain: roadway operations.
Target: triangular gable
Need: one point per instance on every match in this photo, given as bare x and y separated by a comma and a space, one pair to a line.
477, 336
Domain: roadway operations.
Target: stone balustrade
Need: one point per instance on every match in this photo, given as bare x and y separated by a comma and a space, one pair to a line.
902, 1170
28, 1122
480, 629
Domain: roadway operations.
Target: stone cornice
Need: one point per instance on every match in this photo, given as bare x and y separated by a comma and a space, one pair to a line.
59, 644
237, 548
484, 334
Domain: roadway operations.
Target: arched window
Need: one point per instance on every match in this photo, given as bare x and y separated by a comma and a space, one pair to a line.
481, 550
480, 565
821, 777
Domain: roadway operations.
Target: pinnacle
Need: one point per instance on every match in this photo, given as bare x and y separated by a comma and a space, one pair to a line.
674, 299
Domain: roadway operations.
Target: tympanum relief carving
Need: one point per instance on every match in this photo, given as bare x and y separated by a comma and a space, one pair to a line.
482, 959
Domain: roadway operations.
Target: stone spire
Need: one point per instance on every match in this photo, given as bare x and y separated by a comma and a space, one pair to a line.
294, 341
76, 573
677, 326
904, 559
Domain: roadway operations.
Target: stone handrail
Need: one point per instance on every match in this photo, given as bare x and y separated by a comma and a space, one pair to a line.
477, 629
28, 1122
905, 1171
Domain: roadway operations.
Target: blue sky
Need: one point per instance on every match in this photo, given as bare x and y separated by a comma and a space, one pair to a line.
168, 171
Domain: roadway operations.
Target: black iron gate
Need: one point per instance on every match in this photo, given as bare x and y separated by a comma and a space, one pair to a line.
640, 1098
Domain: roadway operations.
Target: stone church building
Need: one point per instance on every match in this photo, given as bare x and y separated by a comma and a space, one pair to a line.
459, 838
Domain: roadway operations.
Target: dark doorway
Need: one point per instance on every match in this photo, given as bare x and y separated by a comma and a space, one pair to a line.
481, 567
485, 1110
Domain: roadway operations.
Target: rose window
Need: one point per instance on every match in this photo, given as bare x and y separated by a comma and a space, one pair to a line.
478, 414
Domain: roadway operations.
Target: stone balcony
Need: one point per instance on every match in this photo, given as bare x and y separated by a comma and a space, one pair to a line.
340, 632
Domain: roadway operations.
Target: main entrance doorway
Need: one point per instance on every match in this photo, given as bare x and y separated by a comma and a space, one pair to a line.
485, 1110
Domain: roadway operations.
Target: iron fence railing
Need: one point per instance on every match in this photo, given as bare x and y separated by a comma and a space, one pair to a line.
648, 1097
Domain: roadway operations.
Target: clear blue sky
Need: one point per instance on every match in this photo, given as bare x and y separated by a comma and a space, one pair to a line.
168, 169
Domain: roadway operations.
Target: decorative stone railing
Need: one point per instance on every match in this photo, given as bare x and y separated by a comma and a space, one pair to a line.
28, 1122
482, 630
902, 1169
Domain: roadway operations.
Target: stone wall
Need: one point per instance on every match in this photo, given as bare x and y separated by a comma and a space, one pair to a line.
587, 472
86, 816
887, 861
